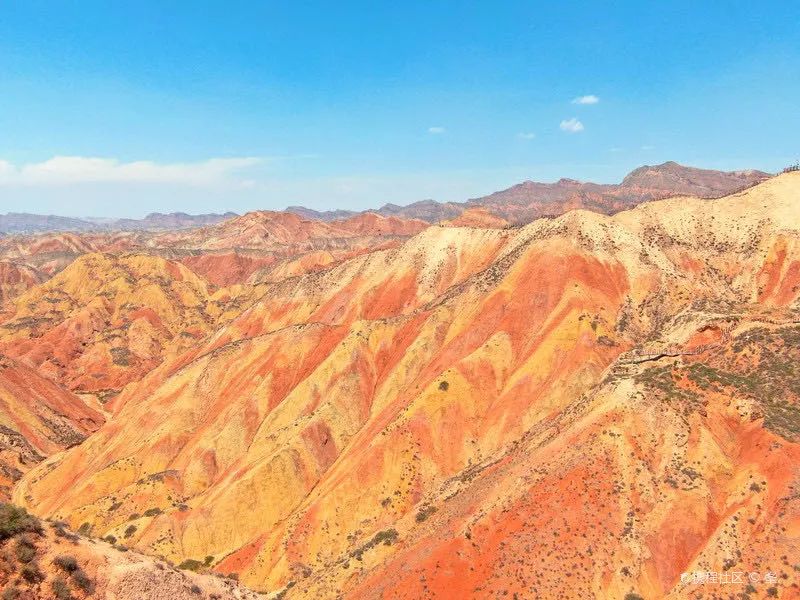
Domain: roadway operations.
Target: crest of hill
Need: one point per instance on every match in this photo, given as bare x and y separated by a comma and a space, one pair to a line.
169, 221
675, 179
273, 230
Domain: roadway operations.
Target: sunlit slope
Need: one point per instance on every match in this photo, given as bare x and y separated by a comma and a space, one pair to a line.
299, 443
106, 320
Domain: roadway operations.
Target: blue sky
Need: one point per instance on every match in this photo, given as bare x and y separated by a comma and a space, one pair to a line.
119, 109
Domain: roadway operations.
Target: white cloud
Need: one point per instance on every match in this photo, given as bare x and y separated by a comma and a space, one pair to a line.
571, 126
646, 148
526, 136
436, 130
589, 99
61, 170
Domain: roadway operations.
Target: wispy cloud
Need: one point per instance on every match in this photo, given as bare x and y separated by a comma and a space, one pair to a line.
526, 135
61, 170
436, 130
648, 147
571, 125
589, 99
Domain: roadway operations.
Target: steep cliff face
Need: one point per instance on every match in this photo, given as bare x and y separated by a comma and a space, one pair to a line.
474, 409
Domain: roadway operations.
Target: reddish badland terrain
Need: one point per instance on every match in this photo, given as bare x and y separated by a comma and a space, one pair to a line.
585, 406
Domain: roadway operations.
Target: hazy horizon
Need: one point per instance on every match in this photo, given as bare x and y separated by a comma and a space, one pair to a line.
112, 217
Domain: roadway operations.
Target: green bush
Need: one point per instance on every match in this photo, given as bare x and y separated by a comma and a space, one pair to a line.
424, 513
31, 573
82, 581
85, 529
11, 593
66, 563
14, 520
25, 550
60, 589
190, 564
387, 537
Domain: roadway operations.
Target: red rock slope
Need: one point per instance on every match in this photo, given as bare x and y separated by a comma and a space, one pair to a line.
106, 320
37, 419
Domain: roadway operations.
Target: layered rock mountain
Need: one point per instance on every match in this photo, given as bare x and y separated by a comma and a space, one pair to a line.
530, 200
466, 411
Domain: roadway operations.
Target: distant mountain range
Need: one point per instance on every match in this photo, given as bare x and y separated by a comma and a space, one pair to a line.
530, 200
31, 223
516, 205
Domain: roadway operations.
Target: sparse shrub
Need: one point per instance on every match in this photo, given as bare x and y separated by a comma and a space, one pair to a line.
111, 539
66, 563
424, 513
190, 564
121, 357
85, 529
152, 512
81, 581
11, 593
31, 573
60, 529
131, 529
387, 537
444, 386
14, 520
60, 589
25, 549
208, 560
632, 596
195, 589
